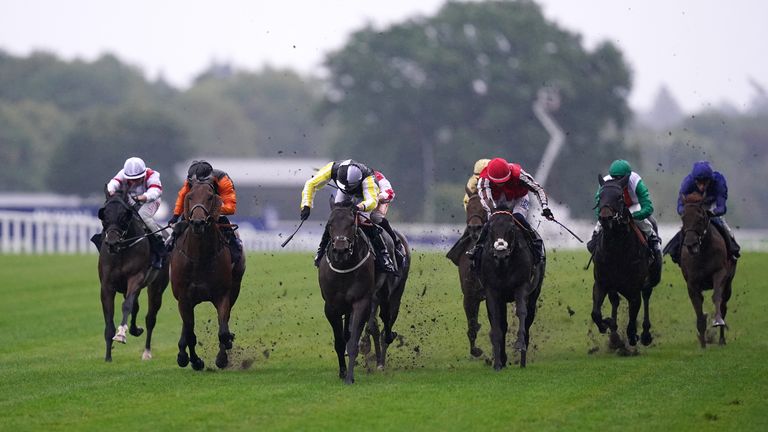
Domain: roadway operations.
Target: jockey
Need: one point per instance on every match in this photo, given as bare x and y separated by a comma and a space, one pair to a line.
225, 189
713, 186
143, 185
638, 199
354, 182
379, 214
471, 188
506, 185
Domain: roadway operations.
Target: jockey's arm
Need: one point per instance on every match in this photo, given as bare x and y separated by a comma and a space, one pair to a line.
534, 187
644, 199
154, 187
115, 183
320, 179
179, 207
226, 190
687, 186
721, 195
486, 195
370, 194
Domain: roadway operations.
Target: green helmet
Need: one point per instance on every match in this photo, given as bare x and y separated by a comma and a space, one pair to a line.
619, 168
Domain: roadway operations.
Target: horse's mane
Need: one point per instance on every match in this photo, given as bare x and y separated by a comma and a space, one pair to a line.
344, 204
693, 198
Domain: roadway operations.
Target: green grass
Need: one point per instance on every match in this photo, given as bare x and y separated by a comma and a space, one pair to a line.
53, 377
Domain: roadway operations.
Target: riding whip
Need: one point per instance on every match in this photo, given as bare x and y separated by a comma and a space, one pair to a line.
566, 228
294, 233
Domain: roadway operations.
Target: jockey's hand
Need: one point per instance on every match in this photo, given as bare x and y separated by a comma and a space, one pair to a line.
359, 208
547, 213
305, 212
141, 198
173, 219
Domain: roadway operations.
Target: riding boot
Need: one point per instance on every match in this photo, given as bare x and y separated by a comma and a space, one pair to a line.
477, 248
178, 228
654, 275
399, 250
157, 251
534, 240
730, 242
592, 243
385, 261
323, 244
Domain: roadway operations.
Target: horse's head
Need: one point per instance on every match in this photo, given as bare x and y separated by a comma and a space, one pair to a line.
612, 210
695, 221
476, 216
501, 236
116, 218
342, 228
202, 205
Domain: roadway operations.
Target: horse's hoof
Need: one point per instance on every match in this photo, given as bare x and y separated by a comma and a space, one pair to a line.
119, 338
615, 342
718, 322
475, 352
182, 359
380, 367
632, 340
222, 360
108, 359
646, 339
197, 364
136, 331
498, 367
146, 355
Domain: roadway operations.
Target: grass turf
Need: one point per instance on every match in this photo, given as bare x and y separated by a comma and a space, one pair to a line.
284, 373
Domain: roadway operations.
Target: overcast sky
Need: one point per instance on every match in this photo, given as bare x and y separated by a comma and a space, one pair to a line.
705, 51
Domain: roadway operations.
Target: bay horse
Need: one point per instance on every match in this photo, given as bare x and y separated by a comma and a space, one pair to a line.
386, 300
202, 270
124, 267
621, 266
508, 274
347, 282
705, 263
471, 288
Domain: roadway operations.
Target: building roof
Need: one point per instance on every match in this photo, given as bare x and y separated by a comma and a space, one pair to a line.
262, 172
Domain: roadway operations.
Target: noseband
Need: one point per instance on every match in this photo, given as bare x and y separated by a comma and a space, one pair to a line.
699, 235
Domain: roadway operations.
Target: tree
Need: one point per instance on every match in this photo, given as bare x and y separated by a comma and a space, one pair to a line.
97, 147
422, 100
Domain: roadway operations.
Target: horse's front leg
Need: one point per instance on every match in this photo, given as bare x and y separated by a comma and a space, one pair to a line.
108, 308
223, 309
521, 306
598, 297
131, 293
634, 309
718, 285
471, 310
614, 340
497, 312
339, 341
645, 337
697, 300
361, 310
154, 302
188, 338
134, 330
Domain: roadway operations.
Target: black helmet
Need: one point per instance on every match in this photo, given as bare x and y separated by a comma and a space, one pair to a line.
199, 169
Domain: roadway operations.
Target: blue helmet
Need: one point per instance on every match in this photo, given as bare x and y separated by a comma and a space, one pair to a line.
702, 171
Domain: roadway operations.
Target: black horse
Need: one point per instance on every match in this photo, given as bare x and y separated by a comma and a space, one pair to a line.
470, 285
124, 267
347, 282
508, 273
386, 300
706, 264
621, 266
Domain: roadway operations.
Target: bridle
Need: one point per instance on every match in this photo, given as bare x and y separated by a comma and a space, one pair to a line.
619, 215
120, 229
706, 219
208, 219
348, 250
501, 245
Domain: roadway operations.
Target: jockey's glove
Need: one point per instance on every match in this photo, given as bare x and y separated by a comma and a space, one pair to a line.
305, 212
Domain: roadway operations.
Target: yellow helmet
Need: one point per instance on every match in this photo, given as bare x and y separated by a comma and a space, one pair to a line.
480, 165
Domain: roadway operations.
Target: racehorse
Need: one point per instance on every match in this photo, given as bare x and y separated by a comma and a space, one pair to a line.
705, 264
124, 267
508, 273
347, 283
202, 270
470, 285
621, 266
389, 292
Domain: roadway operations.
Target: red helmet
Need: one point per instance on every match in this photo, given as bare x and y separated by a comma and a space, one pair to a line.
498, 170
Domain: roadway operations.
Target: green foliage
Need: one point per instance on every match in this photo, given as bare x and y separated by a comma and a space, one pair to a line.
97, 147
462, 83
52, 373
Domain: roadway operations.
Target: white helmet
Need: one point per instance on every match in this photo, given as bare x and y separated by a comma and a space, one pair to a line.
134, 168
349, 177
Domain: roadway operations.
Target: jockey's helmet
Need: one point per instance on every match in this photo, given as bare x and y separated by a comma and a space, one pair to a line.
134, 168
620, 168
349, 177
702, 171
199, 169
498, 170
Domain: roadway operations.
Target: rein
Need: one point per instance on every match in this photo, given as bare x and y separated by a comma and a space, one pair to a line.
352, 243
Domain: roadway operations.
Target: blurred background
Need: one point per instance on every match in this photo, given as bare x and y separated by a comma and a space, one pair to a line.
419, 89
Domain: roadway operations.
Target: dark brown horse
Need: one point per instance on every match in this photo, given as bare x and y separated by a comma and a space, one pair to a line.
347, 283
386, 300
470, 285
508, 274
202, 270
705, 264
124, 267
621, 266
